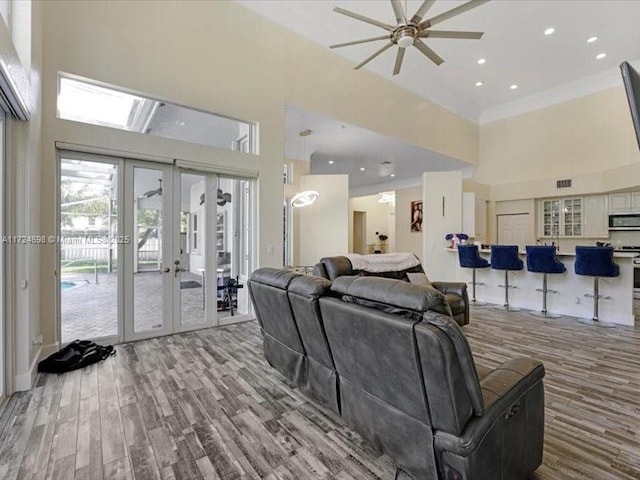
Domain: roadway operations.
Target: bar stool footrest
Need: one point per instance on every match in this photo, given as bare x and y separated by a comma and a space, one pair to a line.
596, 323
507, 308
546, 314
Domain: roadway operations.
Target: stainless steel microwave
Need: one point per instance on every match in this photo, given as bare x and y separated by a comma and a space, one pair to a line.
624, 221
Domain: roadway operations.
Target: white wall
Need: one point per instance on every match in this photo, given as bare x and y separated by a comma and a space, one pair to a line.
324, 225
24, 143
442, 214
406, 240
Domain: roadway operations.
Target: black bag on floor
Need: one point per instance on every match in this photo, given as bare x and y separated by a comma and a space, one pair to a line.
77, 354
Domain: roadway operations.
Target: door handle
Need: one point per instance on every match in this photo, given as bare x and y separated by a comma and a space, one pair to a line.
178, 270
164, 270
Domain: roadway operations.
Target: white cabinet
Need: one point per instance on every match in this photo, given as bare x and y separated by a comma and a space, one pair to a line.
624, 202
595, 224
576, 217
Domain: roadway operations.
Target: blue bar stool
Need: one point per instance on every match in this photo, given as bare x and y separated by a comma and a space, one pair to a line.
505, 257
542, 259
596, 262
469, 258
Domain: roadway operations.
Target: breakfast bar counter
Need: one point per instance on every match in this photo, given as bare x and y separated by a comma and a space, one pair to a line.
569, 300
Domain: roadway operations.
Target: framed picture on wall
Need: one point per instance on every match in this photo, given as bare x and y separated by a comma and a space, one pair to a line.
416, 216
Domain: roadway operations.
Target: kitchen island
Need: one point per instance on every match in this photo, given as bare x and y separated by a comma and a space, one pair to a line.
569, 300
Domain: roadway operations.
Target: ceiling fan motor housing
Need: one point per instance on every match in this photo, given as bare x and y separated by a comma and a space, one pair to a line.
405, 35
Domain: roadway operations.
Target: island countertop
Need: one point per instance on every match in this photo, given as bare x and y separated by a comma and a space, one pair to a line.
559, 254
616, 307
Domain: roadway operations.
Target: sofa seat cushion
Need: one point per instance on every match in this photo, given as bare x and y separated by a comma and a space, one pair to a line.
456, 302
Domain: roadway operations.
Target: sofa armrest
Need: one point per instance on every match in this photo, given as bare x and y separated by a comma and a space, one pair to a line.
501, 390
459, 288
510, 379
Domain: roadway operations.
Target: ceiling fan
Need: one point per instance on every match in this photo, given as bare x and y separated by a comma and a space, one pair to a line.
408, 32
151, 193
221, 200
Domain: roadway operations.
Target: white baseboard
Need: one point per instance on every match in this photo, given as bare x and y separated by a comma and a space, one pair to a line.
25, 381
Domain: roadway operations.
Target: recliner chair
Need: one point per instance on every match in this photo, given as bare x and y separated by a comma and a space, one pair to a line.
455, 292
283, 347
322, 379
409, 384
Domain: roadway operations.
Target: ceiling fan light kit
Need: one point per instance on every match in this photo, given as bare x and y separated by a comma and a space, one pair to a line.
409, 33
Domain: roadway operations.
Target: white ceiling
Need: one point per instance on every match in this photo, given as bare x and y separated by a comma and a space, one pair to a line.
514, 45
350, 148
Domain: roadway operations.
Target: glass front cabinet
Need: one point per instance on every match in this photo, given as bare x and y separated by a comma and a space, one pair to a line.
561, 217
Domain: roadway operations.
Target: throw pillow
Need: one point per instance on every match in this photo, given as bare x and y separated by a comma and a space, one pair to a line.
419, 278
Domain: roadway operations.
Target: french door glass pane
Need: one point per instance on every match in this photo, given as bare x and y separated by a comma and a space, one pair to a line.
193, 234
148, 217
88, 249
233, 246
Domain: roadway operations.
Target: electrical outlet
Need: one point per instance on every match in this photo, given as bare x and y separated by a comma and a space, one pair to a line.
37, 340
577, 300
270, 249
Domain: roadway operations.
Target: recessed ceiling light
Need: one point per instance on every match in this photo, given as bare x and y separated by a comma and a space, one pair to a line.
549, 31
330, 162
600, 56
481, 61
362, 169
513, 87
479, 84
592, 39
392, 175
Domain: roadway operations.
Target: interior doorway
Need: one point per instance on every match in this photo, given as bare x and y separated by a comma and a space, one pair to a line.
149, 249
360, 232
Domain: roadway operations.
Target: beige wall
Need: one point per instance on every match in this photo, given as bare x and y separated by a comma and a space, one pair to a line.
406, 240
300, 168
324, 225
180, 51
589, 139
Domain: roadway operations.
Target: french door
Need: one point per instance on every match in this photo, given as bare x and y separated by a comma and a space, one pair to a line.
184, 239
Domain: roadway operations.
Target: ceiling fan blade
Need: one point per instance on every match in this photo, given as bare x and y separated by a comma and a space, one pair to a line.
452, 13
451, 34
422, 11
399, 57
398, 11
433, 56
388, 45
362, 18
356, 42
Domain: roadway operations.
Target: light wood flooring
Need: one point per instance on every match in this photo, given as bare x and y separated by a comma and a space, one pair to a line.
206, 405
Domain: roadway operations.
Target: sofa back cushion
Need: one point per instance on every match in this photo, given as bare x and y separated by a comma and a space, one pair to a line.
268, 291
374, 351
391, 296
334, 267
304, 293
450, 377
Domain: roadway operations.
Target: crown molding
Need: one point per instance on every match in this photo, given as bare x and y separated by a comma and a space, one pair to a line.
586, 86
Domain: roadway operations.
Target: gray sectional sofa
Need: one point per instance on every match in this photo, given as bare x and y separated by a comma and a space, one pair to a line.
455, 293
388, 358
